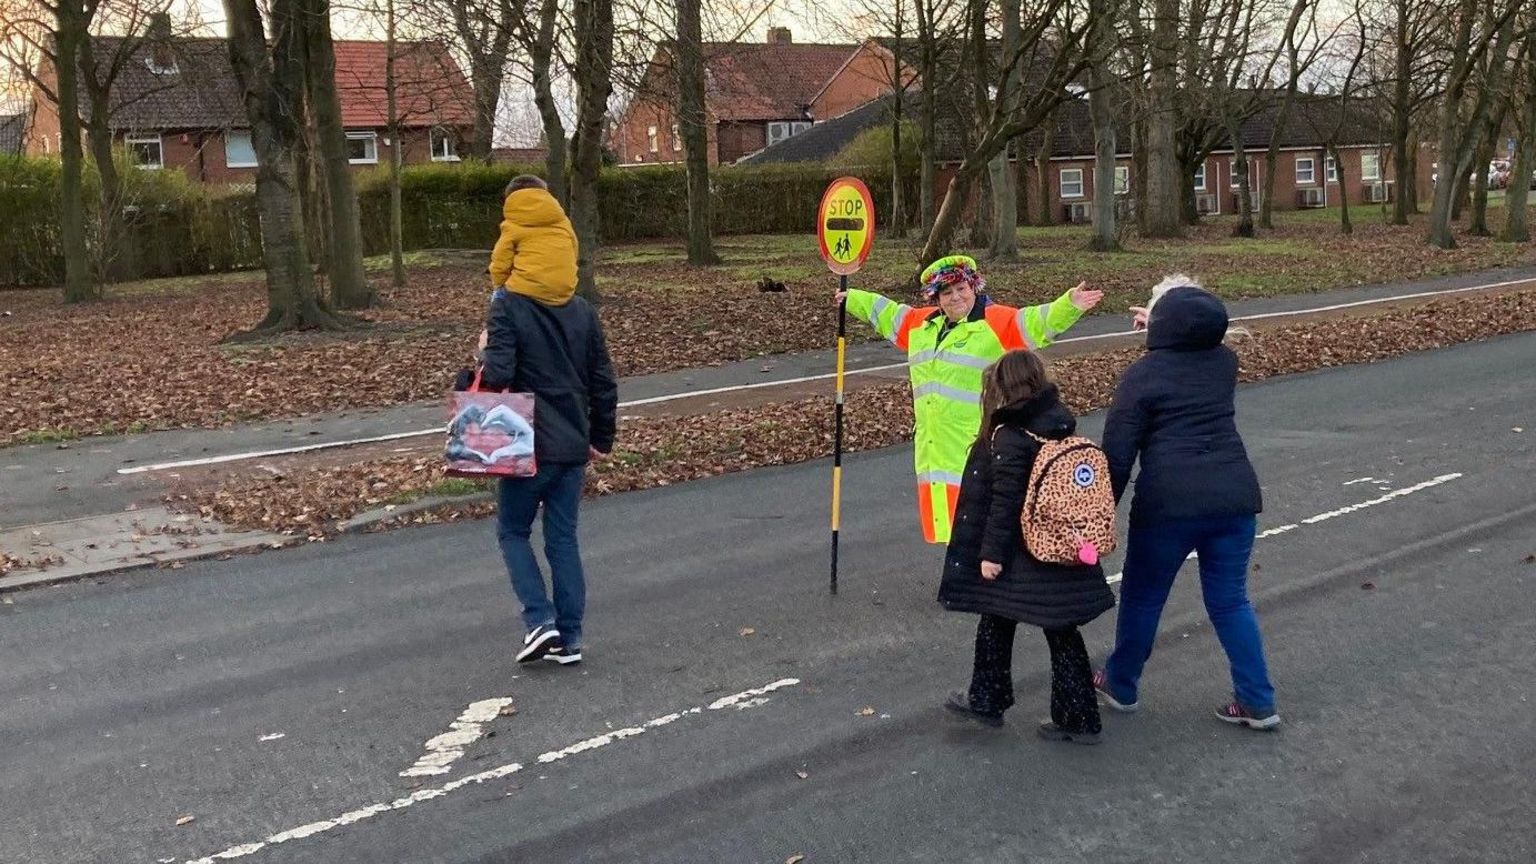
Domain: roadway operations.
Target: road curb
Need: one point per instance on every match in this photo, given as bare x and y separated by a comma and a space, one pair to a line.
62, 575
368, 518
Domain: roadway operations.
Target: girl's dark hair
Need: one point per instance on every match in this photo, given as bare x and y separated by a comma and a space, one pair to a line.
1015, 377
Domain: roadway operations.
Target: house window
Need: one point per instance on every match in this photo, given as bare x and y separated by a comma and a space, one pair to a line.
1122, 179
779, 130
1071, 182
445, 146
363, 148
677, 139
238, 150
650, 135
1331, 170
1200, 177
146, 151
1370, 166
1306, 170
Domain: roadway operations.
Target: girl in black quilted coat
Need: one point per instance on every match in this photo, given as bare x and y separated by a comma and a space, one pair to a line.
988, 571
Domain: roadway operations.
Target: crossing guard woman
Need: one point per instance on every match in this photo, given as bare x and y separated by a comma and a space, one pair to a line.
948, 346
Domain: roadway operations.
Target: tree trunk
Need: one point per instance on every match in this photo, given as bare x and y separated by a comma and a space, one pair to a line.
898, 93
1106, 233
542, 57
693, 122
1163, 209
1489, 140
1005, 205
109, 203
1516, 229
1404, 168
593, 72
1189, 208
72, 30
350, 288
1458, 132
1345, 226
929, 71
269, 87
1241, 174
397, 153
1043, 175
488, 74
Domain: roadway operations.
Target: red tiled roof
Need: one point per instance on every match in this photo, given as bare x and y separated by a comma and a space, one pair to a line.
430, 88
203, 92
769, 81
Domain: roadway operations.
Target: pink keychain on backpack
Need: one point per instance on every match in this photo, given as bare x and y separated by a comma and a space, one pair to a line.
1087, 552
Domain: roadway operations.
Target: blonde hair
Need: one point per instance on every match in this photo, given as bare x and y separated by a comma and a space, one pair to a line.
1180, 280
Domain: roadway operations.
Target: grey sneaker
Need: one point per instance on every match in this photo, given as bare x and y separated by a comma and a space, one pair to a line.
1238, 714
538, 643
960, 704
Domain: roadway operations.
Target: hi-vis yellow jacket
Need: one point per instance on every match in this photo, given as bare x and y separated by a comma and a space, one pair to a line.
946, 380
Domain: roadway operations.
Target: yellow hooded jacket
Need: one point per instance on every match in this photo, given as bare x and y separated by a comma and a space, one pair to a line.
536, 253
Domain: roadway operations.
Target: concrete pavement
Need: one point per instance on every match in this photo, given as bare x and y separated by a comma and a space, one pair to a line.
263, 695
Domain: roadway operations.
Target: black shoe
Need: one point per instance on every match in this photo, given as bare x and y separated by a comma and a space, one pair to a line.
1238, 714
538, 642
1051, 732
959, 703
559, 653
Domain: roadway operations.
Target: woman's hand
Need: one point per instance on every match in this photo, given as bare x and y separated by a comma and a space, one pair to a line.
840, 297
1084, 298
1139, 318
990, 570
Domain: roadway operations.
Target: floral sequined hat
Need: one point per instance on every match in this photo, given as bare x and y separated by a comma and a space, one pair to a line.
952, 270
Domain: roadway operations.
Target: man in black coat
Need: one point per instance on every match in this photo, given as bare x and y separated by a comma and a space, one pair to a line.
558, 353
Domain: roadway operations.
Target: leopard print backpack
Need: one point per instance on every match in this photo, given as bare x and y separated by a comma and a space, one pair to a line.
1069, 510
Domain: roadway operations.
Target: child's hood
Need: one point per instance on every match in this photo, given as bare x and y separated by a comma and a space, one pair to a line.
533, 208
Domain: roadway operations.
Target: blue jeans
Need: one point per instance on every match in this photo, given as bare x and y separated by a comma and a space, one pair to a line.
1153, 556
558, 489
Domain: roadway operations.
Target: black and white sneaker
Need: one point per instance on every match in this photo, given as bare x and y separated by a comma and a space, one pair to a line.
538, 643
563, 655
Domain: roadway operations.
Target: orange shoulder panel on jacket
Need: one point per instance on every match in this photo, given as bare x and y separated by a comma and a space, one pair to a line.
1004, 321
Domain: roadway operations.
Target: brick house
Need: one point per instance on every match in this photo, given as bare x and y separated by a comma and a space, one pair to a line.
1306, 176
756, 95
176, 104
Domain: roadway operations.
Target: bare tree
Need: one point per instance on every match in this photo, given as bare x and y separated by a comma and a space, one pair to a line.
350, 288
1476, 32
1301, 11
537, 39
1346, 92
693, 122
1162, 216
1101, 106
1054, 63
272, 83
936, 24
1005, 204
1516, 229
593, 70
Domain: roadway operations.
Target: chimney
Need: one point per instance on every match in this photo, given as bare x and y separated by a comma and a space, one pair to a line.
780, 36
161, 57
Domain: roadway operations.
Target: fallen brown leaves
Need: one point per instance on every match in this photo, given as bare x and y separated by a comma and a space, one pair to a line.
659, 451
9, 562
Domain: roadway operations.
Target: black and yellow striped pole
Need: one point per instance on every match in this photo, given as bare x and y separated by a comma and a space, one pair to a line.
837, 424
845, 231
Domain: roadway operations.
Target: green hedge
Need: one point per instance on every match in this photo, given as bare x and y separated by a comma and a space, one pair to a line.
179, 228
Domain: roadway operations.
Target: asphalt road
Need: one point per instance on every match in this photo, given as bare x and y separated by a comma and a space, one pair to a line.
1399, 633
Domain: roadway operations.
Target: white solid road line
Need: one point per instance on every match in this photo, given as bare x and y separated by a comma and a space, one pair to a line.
1333, 514
670, 397
744, 699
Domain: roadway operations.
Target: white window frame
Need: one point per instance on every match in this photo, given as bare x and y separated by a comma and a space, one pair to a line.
653, 138
1375, 175
364, 135
1061, 183
230, 162
1331, 169
677, 138
443, 133
1310, 179
1199, 185
1122, 179
156, 140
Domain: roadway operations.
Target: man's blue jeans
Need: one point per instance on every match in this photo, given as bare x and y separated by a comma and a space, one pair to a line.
558, 489
1153, 556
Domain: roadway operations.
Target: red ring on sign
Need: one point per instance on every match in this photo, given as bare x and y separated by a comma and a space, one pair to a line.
850, 267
